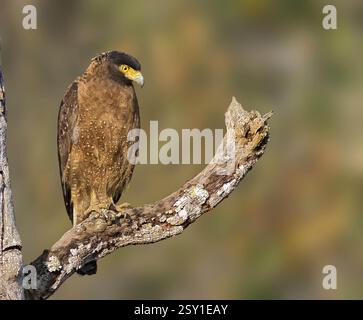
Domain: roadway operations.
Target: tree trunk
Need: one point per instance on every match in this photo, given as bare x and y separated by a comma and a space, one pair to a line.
10, 244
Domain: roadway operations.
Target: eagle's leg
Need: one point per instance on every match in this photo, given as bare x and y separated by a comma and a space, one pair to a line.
79, 216
100, 205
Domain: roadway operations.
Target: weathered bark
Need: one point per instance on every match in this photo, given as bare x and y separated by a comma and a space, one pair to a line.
101, 234
10, 244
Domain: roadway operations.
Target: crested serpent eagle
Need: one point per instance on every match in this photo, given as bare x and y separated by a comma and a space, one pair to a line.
95, 116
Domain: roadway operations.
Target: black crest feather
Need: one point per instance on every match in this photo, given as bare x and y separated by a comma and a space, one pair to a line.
119, 58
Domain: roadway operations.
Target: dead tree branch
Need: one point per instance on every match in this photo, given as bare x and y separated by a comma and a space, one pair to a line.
10, 244
101, 234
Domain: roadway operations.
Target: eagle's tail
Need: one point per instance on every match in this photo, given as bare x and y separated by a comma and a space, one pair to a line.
89, 269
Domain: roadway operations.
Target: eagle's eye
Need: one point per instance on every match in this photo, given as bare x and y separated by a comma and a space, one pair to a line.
124, 68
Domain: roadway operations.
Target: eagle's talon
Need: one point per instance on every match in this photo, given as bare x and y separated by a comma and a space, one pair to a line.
94, 215
123, 206
93, 212
109, 216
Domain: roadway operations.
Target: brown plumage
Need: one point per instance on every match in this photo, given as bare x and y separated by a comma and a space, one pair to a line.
95, 116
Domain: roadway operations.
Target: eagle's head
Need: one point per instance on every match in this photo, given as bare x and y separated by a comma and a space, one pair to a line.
121, 67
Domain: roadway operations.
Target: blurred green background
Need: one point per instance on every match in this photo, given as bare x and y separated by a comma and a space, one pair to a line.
297, 211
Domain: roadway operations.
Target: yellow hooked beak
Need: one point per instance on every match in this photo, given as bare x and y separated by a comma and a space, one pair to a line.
132, 74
